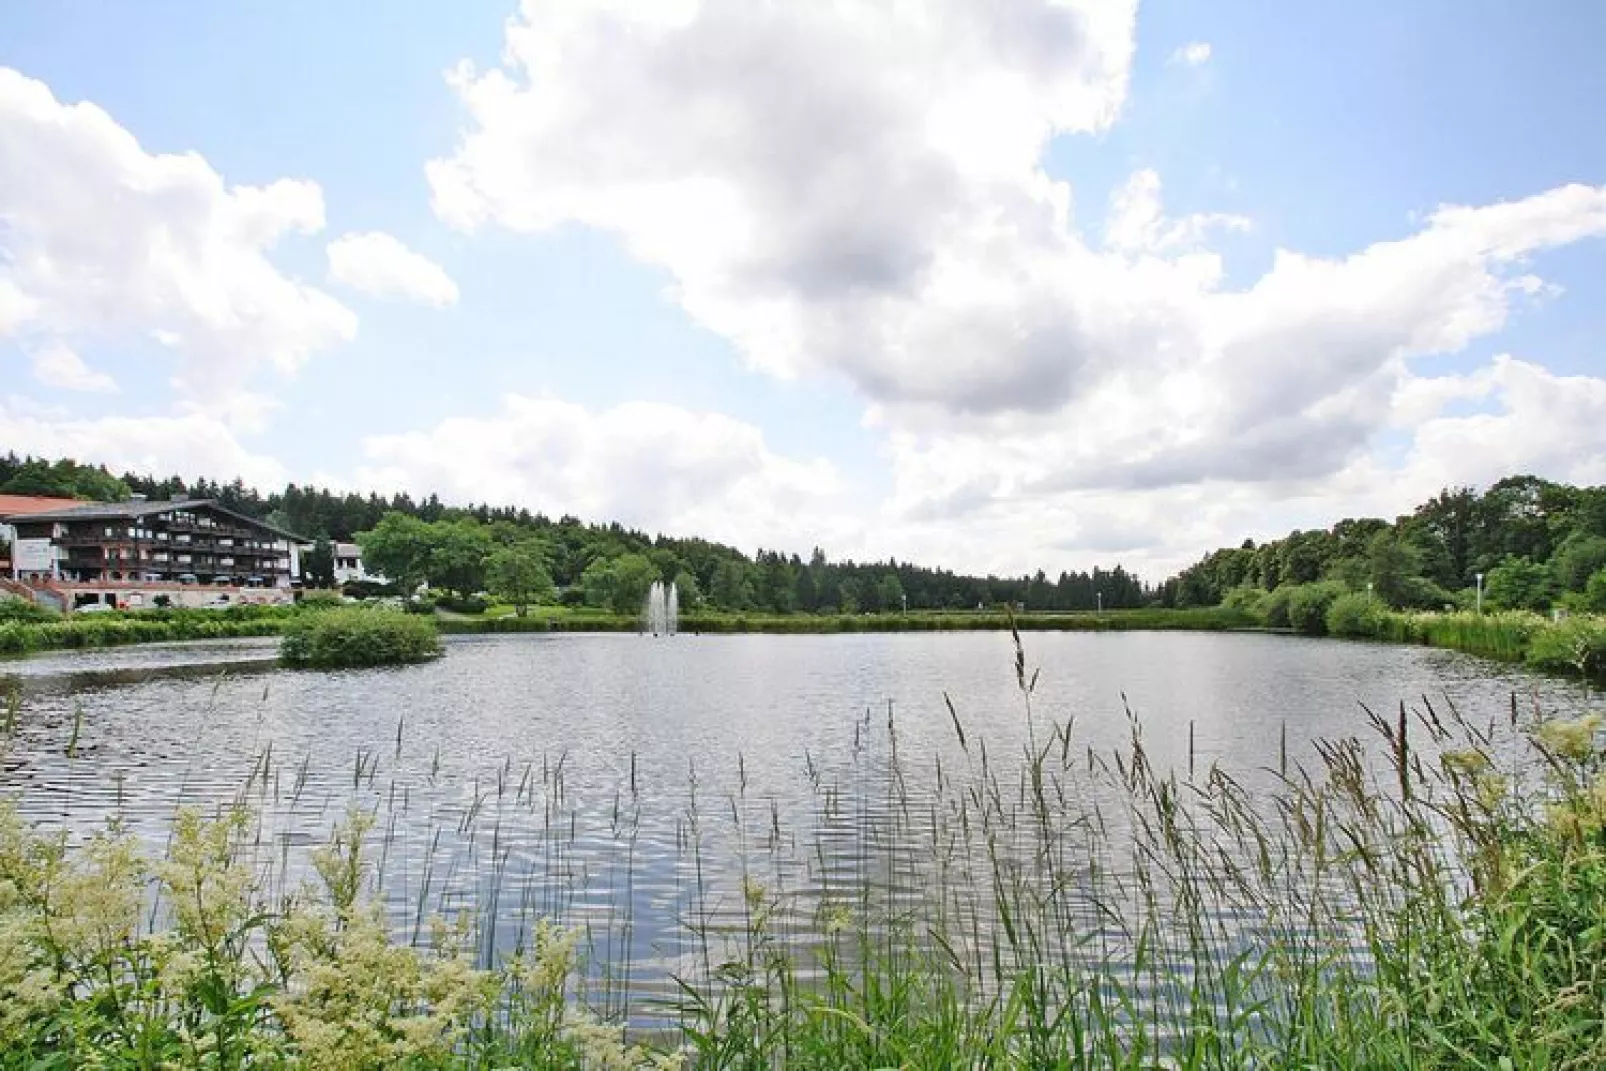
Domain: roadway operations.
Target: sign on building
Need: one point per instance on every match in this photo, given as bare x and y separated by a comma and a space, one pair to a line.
33, 556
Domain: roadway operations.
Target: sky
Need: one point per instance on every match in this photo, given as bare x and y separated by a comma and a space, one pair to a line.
997, 287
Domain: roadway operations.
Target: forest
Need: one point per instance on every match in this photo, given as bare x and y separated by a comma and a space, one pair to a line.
607, 565
1523, 544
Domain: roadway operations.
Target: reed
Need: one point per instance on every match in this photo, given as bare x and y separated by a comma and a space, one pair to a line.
1431, 900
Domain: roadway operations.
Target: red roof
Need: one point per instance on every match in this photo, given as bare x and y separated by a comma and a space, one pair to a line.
11, 505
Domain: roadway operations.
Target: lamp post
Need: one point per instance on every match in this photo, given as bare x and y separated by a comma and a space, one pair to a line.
1480, 591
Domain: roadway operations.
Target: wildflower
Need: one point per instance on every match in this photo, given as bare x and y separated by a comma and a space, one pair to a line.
1490, 789
1573, 740
753, 892
838, 919
1470, 761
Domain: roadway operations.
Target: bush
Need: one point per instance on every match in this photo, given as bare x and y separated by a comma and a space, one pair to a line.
1355, 615
1247, 599
467, 604
321, 599
1275, 606
14, 609
1574, 645
1307, 606
359, 637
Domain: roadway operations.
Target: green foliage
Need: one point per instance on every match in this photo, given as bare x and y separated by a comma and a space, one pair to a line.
1518, 584
1247, 599
1424, 559
730, 589
1594, 596
319, 566
1355, 615
457, 555
1275, 607
1308, 604
1573, 645
518, 574
15, 609
355, 636
621, 584
63, 479
399, 547
688, 591
1582, 556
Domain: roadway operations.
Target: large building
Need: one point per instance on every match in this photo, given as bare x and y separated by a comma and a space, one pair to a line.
17, 505
140, 553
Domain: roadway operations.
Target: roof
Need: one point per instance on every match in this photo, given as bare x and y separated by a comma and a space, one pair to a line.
16, 505
125, 511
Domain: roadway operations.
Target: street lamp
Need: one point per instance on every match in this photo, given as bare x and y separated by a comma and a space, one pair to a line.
1480, 591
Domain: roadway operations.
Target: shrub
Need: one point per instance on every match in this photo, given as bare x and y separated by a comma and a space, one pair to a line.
1355, 615
1593, 599
1246, 598
359, 637
14, 609
1575, 645
321, 599
1275, 606
1307, 606
463, 604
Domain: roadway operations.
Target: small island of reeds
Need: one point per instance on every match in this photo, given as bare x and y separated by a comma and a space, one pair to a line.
353, 637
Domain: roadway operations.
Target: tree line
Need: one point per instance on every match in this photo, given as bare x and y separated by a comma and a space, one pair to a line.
509, 549
1523, 544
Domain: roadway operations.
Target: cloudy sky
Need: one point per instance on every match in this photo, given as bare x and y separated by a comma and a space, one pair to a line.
994, 286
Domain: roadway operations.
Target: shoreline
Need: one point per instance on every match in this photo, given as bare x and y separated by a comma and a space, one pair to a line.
1528, 639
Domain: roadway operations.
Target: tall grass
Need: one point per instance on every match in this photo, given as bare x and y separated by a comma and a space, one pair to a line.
359, 636
1431, 899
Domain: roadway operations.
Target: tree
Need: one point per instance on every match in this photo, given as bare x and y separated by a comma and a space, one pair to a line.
891, 592
1518, 584
518, 574
320, 564
1580, 557
399, 547
1392, 566
688, 591
619, 584
458, 551
1594, 597
730, 589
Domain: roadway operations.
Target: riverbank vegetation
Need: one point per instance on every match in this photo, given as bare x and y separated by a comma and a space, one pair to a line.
1430, 901
1524, 544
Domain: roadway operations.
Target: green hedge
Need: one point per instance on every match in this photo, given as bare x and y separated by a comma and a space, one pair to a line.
358, 636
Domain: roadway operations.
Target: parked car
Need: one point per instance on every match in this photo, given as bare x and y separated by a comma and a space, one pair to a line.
94, 608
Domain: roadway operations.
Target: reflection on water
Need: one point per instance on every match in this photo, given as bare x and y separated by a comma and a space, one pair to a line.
638, 787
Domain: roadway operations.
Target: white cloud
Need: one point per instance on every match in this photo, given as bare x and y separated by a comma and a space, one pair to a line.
839, 186
381, 266
641, 463
859, 191
1192, 54
190, 445
55, 365
105, 240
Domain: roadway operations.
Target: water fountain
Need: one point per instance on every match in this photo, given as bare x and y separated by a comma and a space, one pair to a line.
660, 614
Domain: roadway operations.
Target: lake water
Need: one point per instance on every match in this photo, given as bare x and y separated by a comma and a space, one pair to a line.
628, 783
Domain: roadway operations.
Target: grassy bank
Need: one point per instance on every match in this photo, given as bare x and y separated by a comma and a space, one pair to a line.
1431, 901
554, 620
143, 626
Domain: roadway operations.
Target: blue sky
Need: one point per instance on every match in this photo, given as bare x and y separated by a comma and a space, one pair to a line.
707, 280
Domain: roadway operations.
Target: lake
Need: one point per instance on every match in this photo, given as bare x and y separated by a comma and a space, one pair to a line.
633, 785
